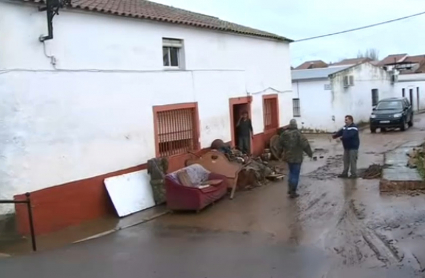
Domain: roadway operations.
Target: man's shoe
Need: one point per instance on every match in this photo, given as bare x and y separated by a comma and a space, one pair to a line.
294, 195
343, 176
289, 188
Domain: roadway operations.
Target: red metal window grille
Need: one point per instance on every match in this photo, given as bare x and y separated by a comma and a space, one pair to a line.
176, 131
270, 113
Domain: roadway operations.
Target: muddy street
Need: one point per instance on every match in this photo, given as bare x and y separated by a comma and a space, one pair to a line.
337, 228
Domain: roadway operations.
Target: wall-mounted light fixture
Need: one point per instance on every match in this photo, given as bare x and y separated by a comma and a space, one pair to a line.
52, 8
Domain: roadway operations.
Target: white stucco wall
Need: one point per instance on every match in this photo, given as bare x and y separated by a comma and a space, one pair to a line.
319, 106
412, 81
357, 100
316, 104
92, 113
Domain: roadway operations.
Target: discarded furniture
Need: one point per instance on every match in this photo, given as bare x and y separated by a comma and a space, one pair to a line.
275, 147
217, 162
157, 168
194, 188
130, 193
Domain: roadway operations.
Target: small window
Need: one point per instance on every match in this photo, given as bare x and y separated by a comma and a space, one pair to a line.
176, 131
328, 87
270, 113
296, 107
348, 81
172, 53
375, 97
403, 92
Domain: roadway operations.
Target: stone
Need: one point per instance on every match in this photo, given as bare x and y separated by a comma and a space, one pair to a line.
396, 176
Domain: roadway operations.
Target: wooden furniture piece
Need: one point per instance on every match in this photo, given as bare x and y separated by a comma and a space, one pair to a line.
217, 162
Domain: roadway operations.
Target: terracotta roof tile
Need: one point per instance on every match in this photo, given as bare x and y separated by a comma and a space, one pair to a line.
414, 59
144, 9
391, 59
312, 65
352, 61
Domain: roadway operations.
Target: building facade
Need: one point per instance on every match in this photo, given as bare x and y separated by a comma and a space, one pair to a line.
110, 92
322, 97
412, 87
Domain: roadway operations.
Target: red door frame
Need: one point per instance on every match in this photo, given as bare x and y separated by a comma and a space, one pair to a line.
276, 109
232, 102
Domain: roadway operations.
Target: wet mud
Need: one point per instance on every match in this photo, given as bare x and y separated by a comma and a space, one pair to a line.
336, 228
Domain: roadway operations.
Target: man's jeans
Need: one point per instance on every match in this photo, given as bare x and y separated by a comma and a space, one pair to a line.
244, 144
350, 162
294, 175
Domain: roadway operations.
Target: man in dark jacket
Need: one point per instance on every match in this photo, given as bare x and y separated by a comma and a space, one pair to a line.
245, 133
294, 144
349, 135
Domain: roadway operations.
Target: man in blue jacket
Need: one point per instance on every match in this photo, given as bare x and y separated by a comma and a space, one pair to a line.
349, 135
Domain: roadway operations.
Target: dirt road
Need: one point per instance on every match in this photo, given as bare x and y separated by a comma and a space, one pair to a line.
337, 228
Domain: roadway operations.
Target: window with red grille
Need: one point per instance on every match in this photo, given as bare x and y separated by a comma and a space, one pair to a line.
176, 131
270, 113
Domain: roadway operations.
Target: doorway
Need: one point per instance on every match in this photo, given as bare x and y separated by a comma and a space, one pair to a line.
237, 106
375, 97
417, 98
411, 97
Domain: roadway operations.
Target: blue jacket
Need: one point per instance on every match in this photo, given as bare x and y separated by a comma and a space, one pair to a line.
349, 137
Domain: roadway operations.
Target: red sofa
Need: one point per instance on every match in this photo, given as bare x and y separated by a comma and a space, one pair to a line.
180, 197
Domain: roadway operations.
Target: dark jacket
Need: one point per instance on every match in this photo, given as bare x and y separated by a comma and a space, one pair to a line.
349, 137
245, 128
294, 144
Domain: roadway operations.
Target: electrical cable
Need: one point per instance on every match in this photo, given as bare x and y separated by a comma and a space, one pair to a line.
360, 28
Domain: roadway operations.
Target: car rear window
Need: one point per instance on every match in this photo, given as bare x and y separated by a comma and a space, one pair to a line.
390, 105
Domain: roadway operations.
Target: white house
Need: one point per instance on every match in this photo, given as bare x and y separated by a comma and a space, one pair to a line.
323, 96
410, 72
412, 86
122, 82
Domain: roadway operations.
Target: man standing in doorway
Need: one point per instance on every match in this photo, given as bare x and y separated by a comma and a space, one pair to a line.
349, 135
294, 145
245, 133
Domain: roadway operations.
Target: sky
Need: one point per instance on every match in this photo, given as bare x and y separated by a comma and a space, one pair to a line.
308, 18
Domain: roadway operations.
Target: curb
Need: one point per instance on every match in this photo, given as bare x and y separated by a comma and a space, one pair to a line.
3, 255
122, 227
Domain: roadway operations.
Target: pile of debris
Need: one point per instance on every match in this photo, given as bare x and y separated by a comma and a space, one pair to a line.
257, 171
374, 171
416, 156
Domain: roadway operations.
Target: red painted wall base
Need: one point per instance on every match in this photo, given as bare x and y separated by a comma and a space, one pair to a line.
73, 203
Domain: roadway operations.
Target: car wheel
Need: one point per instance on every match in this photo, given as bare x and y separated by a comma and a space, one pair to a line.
410, 123
383, 129
373, 129
403, 125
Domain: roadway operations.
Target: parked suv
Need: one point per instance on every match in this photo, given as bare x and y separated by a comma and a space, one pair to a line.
391, 113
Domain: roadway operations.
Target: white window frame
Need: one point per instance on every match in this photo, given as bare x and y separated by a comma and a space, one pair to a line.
176, 43
294, 114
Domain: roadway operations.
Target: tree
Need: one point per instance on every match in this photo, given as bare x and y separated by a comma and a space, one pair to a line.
371, 53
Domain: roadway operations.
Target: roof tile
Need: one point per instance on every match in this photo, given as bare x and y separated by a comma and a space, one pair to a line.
352, 61
153, 11
391, 59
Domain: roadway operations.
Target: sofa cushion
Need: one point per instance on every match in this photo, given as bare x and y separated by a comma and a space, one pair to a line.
184, 178
196, 173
